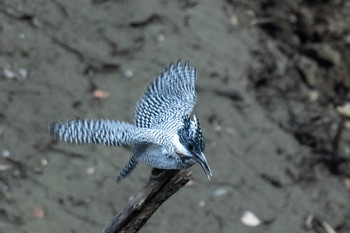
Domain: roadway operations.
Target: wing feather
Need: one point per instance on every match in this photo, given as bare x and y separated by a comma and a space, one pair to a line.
170, 97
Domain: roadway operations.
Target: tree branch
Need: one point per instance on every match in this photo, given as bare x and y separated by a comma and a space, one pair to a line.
161, 185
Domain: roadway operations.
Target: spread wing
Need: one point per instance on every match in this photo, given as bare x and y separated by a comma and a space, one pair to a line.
170, 97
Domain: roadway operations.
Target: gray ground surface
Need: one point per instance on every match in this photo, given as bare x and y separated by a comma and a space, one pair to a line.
71, 48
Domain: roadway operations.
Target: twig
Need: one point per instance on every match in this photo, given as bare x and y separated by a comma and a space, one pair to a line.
158, 188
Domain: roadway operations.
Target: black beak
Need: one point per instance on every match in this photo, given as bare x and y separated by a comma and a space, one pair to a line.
200, 158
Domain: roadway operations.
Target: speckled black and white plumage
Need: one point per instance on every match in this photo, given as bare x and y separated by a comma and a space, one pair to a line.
170, 97
163, 135
106, 132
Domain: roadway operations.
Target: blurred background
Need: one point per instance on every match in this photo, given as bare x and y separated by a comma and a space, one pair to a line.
273, 102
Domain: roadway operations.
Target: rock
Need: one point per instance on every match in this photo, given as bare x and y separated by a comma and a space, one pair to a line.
128, 73
347, 39
250, 219
101, 94
314, 96
201, 203
21, 36
220, 192
15, 73
160, 37
347, 125
22, 73
347, 183
44, 162
234, 20
323, 54
308, 70
9, 74
4, 167
5, 153
294, 40
344, 110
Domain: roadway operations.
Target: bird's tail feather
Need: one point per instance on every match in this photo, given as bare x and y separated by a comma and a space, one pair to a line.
129, 167
109, 133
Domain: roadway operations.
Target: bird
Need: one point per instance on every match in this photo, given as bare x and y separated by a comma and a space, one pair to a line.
163, 134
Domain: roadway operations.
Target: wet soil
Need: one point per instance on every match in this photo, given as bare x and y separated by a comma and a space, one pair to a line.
273, 101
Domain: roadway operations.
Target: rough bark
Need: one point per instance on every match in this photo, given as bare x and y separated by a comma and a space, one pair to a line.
158, 188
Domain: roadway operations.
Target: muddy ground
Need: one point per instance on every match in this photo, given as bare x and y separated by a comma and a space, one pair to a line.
273, 93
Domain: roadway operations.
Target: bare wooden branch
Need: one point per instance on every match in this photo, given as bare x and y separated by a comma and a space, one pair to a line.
158, 188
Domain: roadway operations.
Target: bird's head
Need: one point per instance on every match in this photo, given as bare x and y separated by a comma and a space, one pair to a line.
191, 143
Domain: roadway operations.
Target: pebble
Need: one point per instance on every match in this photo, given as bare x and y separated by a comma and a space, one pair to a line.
90, 170
220, 192
5, 153
314, 95
38, 212
295, 40
250, 219
21, 36
9, 74
308, 69
101, 94
344, 110
347, 183
23, 73
44, 162
128, 73
347, 124
347, 39
4, 167
234, 20
161, 37
19, 73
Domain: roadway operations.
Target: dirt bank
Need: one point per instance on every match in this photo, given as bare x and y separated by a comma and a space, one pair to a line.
273, 81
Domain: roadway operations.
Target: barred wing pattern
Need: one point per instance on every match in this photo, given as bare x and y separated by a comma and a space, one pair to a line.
170, 97
106, 132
